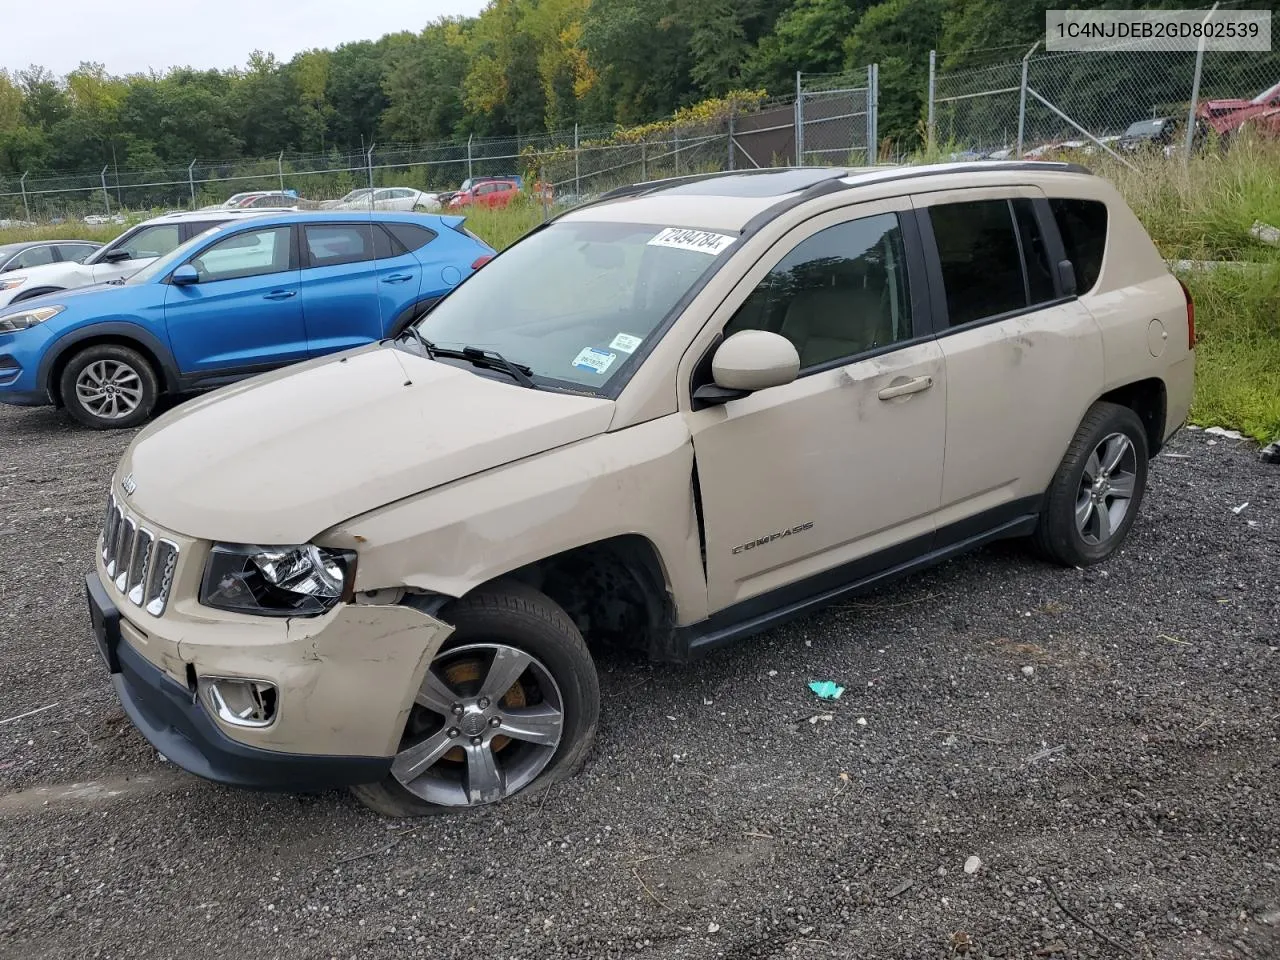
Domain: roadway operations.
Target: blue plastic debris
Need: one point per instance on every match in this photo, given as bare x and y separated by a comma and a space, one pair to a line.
826, 689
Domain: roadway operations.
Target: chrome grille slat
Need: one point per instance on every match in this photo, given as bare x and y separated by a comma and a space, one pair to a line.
117, 528
124, 552
140, 564
157, 594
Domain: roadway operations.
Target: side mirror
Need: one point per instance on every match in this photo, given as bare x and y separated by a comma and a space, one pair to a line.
184, 275
117, 256
749, 360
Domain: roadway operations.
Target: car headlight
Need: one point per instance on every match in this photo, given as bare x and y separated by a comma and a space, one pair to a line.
293, 581
20, 320
8, 283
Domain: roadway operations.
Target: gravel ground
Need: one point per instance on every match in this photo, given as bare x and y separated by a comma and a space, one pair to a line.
1104, 741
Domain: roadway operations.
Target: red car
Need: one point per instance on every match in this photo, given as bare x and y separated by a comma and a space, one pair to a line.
487, 193
1262, 114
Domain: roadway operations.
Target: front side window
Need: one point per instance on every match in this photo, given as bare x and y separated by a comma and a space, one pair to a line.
151, 242
981, 246
253, 253
576, 301
329, 245
839, 293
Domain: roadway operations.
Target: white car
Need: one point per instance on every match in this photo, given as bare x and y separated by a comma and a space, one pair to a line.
121, 258
386, 198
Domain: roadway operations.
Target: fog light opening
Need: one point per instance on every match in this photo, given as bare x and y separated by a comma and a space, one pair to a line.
241, 702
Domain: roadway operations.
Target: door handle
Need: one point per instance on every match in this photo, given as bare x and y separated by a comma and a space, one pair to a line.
279, 294
903, 389
397, 278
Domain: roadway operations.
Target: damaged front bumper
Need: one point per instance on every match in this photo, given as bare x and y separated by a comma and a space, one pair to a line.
341, 687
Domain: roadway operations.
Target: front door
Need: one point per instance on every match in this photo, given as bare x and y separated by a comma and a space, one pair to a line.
243, 315
834, 472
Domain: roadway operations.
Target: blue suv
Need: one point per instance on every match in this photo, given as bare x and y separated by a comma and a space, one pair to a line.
236, 300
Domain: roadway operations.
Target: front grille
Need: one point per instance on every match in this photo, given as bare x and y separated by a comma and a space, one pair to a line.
139, 563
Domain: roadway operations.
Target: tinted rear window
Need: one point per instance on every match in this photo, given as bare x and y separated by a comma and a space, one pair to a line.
410, 235
1083, 225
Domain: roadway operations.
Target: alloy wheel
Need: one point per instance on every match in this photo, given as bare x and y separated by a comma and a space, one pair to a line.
1106, 488
485, 722
109, 389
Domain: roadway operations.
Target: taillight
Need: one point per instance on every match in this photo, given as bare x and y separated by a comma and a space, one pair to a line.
481, 261
1191, 317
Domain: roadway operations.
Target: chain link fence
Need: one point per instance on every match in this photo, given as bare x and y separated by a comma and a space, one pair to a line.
1087, 101
831, 121
836, 117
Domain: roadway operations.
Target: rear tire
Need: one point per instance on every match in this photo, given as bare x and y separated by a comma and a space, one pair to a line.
1096, 493
109, 387
451, 736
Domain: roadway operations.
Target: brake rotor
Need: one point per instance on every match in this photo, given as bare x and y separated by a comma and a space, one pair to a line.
468, 674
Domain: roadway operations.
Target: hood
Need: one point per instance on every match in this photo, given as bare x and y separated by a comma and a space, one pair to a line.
281, 458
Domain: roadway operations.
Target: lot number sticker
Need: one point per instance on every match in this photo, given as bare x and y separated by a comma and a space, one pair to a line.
597, 361
626, 343
699, 240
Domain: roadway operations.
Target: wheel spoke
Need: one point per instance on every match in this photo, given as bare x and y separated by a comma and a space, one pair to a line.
95, 373
1123, 486
541, 724
412, 762
508, 664
1092, 468
1117, 447
1084, 511
1103, 514
435, 695
484, 781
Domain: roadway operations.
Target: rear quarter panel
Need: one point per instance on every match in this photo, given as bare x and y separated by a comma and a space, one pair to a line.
1138, 304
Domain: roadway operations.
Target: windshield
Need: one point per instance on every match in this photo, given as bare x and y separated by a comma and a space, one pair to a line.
575, 301
356, 195
162, 265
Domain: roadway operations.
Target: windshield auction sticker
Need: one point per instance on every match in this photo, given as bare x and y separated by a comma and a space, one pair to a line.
626, 342
594, 359
699, 240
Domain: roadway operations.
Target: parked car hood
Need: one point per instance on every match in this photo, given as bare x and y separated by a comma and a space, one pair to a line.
68, 297
280, 458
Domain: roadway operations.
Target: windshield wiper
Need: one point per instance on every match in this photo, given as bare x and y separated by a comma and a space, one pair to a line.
489, 359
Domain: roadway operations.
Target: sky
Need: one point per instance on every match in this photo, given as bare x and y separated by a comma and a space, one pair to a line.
135, 36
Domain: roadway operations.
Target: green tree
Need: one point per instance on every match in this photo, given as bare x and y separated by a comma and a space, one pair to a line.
898, 35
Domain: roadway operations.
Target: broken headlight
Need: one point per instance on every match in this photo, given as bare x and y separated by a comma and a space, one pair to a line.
296, 581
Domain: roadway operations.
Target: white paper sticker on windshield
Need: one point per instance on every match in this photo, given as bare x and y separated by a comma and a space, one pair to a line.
595, 360
700, 240
626, 343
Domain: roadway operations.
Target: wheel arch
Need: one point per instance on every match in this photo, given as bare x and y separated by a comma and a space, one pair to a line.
1149, 399
615, 590
116, 334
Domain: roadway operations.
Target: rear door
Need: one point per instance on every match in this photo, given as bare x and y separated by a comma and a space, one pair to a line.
1023, 358
245, 314
342, 304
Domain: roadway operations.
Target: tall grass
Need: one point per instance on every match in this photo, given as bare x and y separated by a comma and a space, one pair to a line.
1201, 212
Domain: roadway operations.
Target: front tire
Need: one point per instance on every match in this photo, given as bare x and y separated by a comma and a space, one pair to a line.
1095, 495
510, 702
109, 387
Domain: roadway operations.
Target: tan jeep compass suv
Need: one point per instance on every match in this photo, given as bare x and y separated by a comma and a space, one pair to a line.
676, 416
